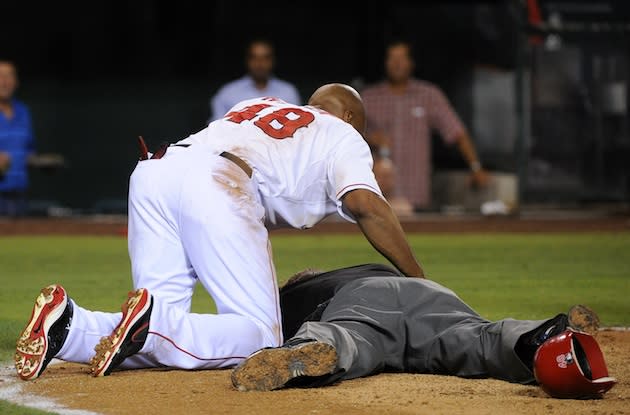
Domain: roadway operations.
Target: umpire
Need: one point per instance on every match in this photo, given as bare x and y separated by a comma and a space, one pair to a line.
366, 319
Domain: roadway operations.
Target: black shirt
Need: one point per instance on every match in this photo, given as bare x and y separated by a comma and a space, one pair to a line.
306, 300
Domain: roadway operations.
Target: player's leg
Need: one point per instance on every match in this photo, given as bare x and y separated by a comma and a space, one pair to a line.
408, 325
364, 325
417, 326
85, 332
445, 336
475, 348
488, 349
158, 261
221, 229
162, 274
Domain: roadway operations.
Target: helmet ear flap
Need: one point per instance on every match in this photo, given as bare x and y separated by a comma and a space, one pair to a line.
571, 365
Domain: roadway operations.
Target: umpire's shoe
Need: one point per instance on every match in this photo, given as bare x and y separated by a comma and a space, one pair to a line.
45, 333
579, 317
273, 368
128, 337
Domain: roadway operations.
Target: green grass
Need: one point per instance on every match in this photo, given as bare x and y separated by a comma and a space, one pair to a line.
7, 408
520, 276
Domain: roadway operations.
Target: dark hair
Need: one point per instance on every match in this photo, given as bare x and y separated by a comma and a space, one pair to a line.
259, 40
5, 59
399, 42
304, 275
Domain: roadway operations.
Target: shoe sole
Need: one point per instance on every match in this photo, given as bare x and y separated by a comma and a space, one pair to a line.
582, 318
136, 306
270, 369
32, 345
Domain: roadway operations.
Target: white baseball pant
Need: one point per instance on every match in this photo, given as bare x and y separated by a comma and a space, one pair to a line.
193, 216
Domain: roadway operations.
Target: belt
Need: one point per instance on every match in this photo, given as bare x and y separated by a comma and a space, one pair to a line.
239, 162
144, 155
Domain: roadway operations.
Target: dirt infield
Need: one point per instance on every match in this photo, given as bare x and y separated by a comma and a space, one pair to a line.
203, 392
419, 224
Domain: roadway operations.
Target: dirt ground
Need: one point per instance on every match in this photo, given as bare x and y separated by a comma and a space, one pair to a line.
202, 392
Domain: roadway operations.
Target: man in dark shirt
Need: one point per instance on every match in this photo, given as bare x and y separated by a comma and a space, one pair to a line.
16, 144
366, 319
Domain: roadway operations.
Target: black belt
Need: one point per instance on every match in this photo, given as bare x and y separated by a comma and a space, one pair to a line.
233, 158
144, 155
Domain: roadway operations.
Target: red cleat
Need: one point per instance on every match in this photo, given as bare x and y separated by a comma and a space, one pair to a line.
45, 333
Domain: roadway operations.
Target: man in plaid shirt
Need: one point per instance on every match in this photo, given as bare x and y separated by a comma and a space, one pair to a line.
402, 112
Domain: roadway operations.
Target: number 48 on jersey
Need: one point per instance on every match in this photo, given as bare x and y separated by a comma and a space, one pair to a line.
279, 124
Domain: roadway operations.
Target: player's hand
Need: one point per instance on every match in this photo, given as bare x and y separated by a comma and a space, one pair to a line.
479, 178
5, 162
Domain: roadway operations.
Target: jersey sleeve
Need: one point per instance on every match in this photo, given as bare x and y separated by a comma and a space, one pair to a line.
350, 168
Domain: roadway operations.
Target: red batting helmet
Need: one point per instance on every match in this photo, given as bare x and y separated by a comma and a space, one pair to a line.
571, 366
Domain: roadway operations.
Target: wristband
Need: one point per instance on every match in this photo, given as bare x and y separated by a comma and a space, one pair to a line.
384, 152
475, 166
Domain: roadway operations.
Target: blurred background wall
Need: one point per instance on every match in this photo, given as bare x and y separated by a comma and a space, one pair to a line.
98, 74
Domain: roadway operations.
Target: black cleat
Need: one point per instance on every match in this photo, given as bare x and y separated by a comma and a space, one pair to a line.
273, 368
579, 318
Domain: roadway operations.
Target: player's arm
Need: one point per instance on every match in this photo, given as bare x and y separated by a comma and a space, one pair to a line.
359, 199
381, 227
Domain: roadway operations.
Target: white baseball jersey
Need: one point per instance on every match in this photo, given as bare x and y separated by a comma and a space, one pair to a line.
196, 217
304, 159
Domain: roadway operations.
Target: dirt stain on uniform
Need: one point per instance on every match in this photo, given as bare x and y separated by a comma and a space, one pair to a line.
233, 179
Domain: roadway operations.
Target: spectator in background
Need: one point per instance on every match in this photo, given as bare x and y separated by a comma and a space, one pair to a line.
259, 81
16, 144
402, 112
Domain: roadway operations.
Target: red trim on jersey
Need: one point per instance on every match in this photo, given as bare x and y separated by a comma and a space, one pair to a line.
358, 184
192, 355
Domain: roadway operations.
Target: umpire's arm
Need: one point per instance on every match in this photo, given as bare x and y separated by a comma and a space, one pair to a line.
381, 227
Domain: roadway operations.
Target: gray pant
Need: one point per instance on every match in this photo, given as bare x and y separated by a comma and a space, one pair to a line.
418, 326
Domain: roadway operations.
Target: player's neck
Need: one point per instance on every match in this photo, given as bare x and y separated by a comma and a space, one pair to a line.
261, 84
398, 87
6, 107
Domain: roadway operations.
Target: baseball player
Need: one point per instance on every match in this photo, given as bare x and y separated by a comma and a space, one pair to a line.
363, 320
199, 210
